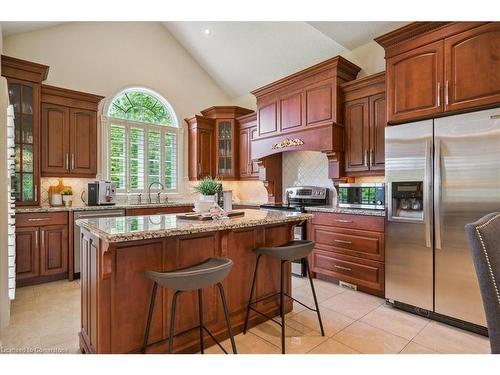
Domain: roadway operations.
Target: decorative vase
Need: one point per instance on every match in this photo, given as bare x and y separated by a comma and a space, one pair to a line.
68, 200
204, 203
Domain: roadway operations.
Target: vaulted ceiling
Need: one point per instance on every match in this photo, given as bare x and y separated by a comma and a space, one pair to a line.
242, 56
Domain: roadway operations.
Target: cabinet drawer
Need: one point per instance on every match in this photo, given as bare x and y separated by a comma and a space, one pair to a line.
361, 272
364, 244
41, 219
373, 223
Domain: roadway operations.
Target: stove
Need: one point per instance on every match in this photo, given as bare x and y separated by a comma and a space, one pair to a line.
297, 199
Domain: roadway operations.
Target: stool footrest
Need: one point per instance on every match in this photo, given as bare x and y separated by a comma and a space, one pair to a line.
277, 294
267, 316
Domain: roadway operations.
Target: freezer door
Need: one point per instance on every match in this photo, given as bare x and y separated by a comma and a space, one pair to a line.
409, 255
467, 187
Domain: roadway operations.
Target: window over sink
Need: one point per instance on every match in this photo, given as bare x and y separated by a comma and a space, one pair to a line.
142, 141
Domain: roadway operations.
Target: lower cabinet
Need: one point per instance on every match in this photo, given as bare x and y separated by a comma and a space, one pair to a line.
349, 248
41, 247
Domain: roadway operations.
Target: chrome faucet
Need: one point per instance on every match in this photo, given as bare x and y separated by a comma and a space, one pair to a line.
149, 190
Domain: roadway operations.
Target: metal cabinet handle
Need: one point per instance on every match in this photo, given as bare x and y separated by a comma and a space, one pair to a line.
39, 219
494, 117
35, 192
365, 157
343, 221
36, 239
343, 241
67, 162
446, 92
372, 157
72, 161
438, 95
343, 268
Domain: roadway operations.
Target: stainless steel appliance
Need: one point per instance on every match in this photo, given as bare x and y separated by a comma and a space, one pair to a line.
440, 175
297, 199
101, 193
365, 195
76, 230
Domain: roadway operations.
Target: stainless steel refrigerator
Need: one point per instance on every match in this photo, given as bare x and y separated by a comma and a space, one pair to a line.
440, 175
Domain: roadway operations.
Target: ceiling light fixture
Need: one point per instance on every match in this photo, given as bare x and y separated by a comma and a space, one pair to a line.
207, 32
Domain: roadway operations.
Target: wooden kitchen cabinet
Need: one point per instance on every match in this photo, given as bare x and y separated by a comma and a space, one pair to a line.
364, 105
349, 248
69, 133
249, 169
201, 147
42, 247
439, 68
24, 80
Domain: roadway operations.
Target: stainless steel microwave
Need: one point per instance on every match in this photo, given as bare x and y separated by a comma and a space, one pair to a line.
366, 195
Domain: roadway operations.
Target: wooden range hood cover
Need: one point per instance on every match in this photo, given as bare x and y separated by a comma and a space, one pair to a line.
302, 112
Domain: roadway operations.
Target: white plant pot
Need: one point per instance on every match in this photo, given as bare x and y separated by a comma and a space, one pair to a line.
68, 200
210, 198
204, 203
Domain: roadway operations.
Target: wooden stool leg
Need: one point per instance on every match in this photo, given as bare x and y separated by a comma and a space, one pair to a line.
245, 326
150, 315
200, 314
172, 323
226, 315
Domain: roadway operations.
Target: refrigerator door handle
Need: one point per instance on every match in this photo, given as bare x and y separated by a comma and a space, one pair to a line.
437, 192
427, 193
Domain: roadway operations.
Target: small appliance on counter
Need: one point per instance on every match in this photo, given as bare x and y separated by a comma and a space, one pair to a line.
101, 193
369, 196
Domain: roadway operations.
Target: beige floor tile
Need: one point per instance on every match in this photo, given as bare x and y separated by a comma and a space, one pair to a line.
20, 338
332, 347
322, 292
395, 321
246, 344
414, 348
367, 339
56, 286
333, 321
298, 282
353, 304
450, 340
25, 293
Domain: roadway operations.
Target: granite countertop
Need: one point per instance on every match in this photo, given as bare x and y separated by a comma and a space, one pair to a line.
117, 206
130, 228
350, 211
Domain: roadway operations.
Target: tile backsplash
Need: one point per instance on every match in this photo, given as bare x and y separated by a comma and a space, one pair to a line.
306, 168
77, 185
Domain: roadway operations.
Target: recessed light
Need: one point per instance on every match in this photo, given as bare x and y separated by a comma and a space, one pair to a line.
207, 32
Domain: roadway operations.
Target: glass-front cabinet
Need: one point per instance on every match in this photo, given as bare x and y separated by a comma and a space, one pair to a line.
225, 147
24, 97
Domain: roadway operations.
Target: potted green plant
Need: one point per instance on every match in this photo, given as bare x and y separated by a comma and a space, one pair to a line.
67, 197
208, 188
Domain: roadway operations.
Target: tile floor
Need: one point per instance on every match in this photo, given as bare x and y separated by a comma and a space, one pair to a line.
47, 317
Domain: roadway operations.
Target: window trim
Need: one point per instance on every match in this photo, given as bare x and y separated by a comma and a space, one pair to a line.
107, 121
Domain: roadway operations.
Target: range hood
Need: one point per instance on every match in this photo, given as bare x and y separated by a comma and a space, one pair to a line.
302, 112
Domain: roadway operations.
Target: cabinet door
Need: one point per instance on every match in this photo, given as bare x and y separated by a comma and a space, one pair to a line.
83, 145
27, 253
244, 150
226, 149
25, 98
414, 83
55, 140
53, 249
357, 135
205, 153
254, 165
378, 122
472, 68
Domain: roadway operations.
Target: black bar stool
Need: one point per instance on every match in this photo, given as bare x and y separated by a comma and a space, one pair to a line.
202, 275
290, 251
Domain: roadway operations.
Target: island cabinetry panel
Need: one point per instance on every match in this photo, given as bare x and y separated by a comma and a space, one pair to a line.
116, 295
41, 247
439, 68
349, 248
69, 133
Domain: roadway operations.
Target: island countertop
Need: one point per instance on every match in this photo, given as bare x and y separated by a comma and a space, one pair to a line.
130, 228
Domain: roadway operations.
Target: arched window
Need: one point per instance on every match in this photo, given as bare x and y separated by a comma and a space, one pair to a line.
143, 141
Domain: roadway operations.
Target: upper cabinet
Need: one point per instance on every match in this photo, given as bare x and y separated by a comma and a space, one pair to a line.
436, 68
248, 168
364, 120
24, 84
68, 133
201, 147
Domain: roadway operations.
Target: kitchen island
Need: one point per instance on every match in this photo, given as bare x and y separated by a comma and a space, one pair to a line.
115, 294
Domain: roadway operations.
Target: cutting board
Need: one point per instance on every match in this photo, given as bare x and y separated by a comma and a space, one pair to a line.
203, 217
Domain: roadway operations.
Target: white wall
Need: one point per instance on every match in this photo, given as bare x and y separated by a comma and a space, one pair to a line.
104, 57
